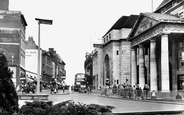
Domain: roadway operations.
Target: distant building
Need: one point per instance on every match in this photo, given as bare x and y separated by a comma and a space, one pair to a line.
88, 67
58, 66
31, 60
97, 68
12, 39
47, 67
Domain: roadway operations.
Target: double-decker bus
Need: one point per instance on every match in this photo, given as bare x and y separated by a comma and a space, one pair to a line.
80, 82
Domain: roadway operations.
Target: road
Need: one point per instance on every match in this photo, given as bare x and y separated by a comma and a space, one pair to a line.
121, 105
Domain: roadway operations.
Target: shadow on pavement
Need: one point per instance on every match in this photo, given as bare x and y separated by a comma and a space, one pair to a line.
153, 113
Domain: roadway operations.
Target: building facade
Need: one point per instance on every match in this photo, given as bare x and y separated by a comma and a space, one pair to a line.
12, 39
157, 48
88, 68
47, 70
31, 60
115, 55
58, 66
97, 69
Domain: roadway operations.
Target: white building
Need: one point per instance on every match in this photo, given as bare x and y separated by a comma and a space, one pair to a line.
31, 59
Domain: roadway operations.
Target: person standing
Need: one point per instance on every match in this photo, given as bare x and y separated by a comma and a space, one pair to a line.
63, 89
144, 91
147, 91
51, 88
70, 89
134, 92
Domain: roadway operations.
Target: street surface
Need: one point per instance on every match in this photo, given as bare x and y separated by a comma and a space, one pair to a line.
121, 105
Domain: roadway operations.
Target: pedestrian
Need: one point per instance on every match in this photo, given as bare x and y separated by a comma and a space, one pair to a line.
63, 89
144, 91
140, 93
57, 86
51, 88
153, 95
88, 89
134, 92
137, 91
70, 89
147, 91
106, 91
121, 90
130, 92
18, 89
178, 96
55, 90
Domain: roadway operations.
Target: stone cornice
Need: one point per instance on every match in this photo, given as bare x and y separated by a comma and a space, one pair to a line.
161, 29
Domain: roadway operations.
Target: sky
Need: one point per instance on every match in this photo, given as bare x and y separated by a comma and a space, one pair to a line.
77, 24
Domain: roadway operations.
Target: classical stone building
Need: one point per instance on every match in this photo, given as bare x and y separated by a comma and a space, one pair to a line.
157, 49
114, 62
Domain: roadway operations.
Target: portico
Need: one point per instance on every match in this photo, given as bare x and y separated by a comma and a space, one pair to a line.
156, 50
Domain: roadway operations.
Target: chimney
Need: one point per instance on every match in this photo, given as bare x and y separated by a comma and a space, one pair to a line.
4, 4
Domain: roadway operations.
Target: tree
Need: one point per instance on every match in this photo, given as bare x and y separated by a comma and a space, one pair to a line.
8, 94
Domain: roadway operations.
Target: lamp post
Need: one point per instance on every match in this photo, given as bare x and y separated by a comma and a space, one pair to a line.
40, 21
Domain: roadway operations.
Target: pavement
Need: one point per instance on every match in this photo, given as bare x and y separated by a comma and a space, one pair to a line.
153, 100
149, 99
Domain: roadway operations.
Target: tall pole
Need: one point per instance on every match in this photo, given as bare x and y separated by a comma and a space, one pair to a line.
38, 69
151, 5
40, 21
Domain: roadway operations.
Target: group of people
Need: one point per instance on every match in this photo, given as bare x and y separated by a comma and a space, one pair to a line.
54, 87
127, 91
28, 87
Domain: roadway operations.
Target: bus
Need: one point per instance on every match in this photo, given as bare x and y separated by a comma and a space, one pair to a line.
80, 83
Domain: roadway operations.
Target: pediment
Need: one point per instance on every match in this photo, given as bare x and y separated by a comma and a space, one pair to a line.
144, 23
148, 20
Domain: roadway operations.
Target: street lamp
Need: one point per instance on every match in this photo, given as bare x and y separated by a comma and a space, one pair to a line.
40, 21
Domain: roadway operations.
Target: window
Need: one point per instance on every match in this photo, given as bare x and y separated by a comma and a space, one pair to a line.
117, 52
109, 36
104, 40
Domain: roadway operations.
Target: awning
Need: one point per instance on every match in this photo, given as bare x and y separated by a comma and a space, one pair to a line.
28, 79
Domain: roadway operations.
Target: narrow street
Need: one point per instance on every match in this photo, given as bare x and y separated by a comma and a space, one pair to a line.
121, 105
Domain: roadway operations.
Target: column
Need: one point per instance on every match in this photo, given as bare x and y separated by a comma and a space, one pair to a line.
133, 67
141, 66
153, 67
164, 63
174, 65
